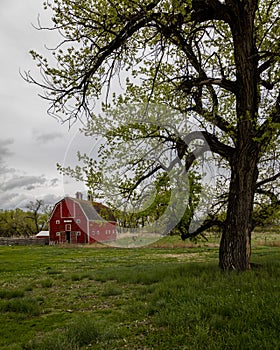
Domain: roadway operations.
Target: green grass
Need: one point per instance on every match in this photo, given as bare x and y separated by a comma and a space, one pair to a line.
25, 307
9, 294
159, 297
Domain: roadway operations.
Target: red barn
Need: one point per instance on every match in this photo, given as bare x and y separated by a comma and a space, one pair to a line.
75, 220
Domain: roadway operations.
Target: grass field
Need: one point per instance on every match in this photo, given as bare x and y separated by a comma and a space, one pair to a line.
169, 296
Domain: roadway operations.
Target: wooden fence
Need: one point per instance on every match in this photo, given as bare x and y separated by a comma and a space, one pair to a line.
23, 241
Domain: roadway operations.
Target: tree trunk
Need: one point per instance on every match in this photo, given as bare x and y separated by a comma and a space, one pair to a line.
235, 246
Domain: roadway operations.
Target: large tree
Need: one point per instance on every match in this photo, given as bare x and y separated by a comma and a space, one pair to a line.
216, 62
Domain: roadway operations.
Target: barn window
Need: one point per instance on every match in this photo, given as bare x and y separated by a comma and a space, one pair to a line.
93, 233
78, 221
78, 233
57, 234
57, 222
97, 232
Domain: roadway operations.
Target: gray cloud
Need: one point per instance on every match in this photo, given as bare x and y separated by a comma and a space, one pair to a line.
4, 170
4, 148
54, 182
30, 187
25, 181
47, 137
51, 199
5, 153
7, 197
10, 200
31, 143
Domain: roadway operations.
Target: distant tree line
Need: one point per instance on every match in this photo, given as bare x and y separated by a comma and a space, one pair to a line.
24, 223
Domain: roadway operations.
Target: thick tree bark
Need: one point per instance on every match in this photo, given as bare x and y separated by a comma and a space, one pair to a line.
235, 246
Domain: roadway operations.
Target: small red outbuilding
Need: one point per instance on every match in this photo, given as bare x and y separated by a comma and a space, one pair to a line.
75, 220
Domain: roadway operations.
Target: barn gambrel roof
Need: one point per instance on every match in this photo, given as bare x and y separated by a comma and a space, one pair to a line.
95, 211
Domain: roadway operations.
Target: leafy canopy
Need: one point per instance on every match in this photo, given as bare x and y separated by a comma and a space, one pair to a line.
171, 78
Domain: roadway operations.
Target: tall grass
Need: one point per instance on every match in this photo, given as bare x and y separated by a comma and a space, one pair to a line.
10, 294
211, 310
82, 332
27, 307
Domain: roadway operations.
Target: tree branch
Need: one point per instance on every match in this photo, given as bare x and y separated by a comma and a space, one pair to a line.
270, 179
273, 197
267, 210
208, 223
268, 127
144, 177
212, 141
204, 10
173, 34
188, 84
81, 85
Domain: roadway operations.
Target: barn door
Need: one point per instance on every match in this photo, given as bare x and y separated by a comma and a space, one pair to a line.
68, 232
68, 235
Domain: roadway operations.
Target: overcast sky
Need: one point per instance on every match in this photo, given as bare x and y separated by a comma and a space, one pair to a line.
31, 142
